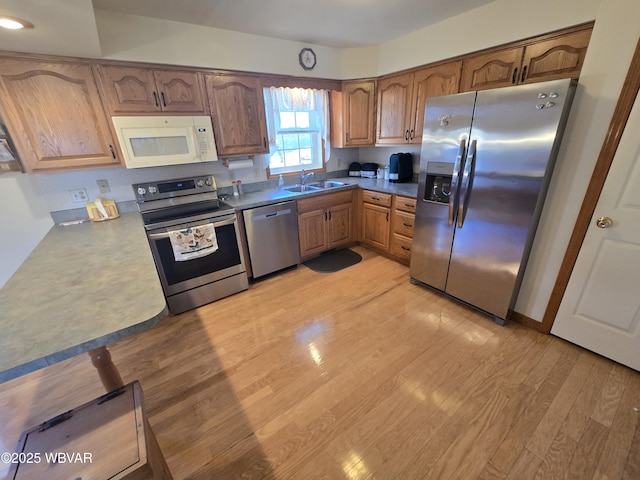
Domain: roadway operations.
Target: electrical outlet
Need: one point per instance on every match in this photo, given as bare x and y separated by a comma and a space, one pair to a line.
79, 195
103, 185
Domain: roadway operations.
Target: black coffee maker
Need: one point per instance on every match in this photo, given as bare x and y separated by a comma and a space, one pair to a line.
401, 167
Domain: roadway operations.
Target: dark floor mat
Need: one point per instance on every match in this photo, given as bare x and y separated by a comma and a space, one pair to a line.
333, 261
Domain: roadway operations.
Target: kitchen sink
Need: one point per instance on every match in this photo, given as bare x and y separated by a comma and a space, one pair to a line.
301, 188
327, 184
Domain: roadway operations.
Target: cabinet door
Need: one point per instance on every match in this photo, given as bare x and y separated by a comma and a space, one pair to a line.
312, 232
55, 115
238, 114
560, 57
129, 89
180, 91
359, 113
375, 226
431, 82
491, 70
395, 95
340, 231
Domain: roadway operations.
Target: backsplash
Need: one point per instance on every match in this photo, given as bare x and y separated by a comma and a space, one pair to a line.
55, 188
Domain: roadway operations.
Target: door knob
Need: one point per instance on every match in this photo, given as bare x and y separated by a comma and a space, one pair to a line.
604, 222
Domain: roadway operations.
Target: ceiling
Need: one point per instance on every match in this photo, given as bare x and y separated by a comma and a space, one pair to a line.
333, 23
68, 27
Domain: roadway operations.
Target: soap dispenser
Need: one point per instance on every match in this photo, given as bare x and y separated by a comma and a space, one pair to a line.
280, 181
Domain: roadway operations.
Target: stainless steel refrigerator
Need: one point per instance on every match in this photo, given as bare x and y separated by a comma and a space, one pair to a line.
485, 165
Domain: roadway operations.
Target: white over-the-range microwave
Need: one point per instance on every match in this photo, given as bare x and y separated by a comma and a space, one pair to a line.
153, 141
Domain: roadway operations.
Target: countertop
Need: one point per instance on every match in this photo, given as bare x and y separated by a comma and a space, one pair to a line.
83, 287
275, 195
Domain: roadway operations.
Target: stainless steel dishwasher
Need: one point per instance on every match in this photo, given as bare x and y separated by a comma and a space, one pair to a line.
272, 237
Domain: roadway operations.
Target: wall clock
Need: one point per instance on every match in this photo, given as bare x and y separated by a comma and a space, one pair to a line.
307, 58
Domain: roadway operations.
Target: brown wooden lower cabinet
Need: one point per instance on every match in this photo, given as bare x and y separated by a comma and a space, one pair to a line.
325, 222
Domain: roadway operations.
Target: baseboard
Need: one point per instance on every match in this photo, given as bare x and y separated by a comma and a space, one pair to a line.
527, 322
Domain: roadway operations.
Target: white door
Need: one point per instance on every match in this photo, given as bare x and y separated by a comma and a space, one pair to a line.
600, 309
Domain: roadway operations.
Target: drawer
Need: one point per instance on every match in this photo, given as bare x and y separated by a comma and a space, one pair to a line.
377, 198
403, 223
406, 204
401, 247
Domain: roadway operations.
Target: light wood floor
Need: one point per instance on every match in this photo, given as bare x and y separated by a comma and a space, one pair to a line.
358, 375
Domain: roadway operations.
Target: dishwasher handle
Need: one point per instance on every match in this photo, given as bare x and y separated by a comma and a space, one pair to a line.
267, 216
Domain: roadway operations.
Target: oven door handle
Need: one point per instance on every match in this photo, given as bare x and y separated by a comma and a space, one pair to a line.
230, 221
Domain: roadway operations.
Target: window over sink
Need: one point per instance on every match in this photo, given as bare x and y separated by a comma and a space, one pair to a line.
298, 125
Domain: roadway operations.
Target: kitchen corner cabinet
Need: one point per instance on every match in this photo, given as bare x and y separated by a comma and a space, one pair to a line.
56, 116
325, 222
353, 114
238, 114
402, 100
376, 217
560, 56
143, 90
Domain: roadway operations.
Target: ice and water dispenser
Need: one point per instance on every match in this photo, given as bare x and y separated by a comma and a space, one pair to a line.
438, 182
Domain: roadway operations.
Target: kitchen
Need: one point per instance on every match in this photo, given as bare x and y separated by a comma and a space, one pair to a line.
592, 110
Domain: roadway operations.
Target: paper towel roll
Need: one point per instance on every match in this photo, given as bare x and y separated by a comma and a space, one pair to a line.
238, 164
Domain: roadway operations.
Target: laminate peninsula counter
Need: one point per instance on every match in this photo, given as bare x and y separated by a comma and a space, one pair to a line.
83, 287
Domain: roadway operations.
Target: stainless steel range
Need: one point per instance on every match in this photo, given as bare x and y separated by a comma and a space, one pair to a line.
195, 241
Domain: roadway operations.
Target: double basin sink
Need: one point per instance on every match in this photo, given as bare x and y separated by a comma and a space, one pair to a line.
315, 186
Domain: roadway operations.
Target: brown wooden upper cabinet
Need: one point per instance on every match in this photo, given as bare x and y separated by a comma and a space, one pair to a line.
144, 90
55, 115
402, 100
556, 57
238, 114
353, 114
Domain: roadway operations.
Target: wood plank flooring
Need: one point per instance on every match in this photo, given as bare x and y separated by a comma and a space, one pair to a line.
357, 375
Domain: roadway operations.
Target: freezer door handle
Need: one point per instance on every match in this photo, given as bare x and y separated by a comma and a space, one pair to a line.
454, 180
465, 188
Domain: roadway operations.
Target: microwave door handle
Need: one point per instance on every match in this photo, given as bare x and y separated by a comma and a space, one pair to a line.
465, 188
216, 224
454, 180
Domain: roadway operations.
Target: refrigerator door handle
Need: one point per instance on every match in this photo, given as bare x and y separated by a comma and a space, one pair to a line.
466, 183
453, 198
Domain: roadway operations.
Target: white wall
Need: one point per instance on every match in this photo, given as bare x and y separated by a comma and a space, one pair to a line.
25, 220
497, 23
135, 38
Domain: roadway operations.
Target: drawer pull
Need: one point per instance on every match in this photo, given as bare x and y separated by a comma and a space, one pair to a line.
410, 205
408, 225
405, 248
375, 198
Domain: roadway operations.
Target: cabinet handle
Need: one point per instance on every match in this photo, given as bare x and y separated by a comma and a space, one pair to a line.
329, 214
325, 216
347, 137
164, 102
375, 198
155, 99
264, 142
407, 225
411, 134
515, 75
405, 248
387, 216
524, 73
410, 205
113, 152
406, 136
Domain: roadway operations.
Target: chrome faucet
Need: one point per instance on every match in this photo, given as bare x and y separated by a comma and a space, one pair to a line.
304, 176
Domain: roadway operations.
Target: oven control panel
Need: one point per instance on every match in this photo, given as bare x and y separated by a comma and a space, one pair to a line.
158, 190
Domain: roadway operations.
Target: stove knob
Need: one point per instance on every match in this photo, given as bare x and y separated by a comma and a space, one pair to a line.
208, 181
152, 189
142, 190
200, 183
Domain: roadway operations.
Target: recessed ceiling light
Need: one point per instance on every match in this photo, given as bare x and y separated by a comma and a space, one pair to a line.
13, 23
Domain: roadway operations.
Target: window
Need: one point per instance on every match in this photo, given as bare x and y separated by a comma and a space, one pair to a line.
297, 119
